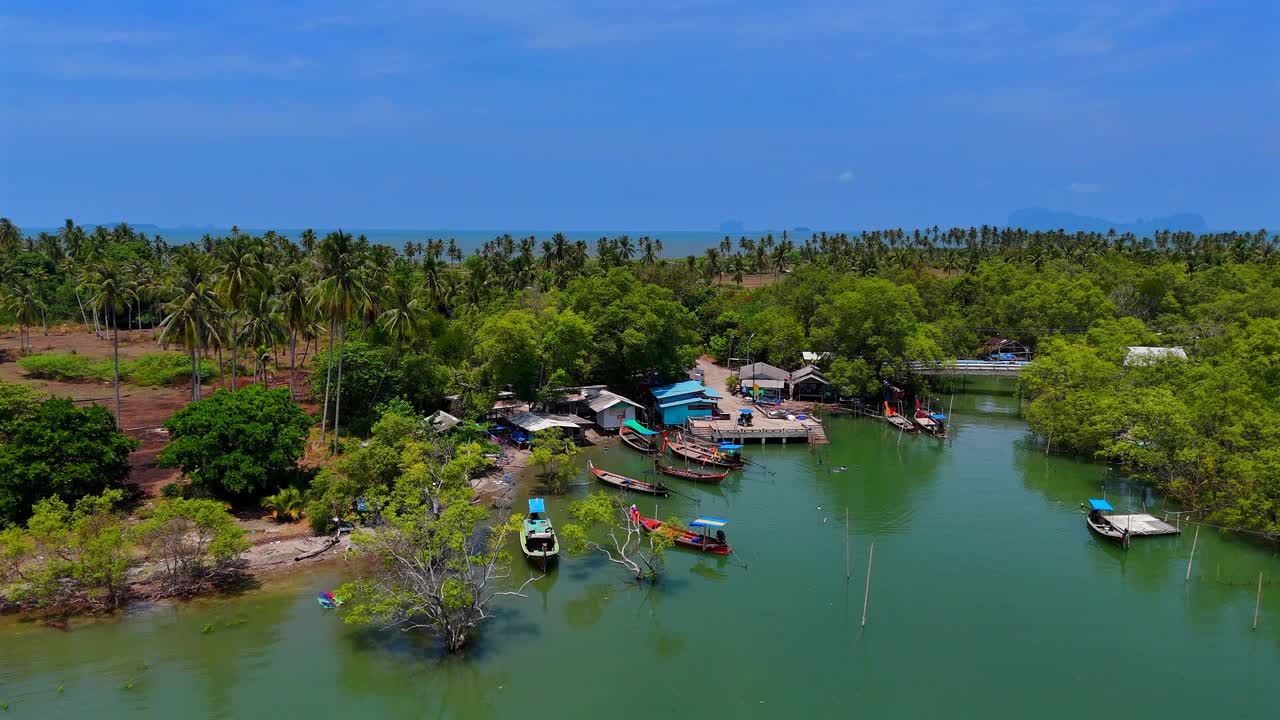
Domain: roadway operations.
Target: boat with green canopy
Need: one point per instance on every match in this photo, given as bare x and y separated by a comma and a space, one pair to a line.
638, 437
538, 539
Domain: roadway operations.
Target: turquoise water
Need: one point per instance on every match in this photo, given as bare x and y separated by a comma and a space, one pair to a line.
989, 598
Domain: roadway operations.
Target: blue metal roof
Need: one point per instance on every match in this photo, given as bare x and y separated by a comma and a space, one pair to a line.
708, 522
688, 387
709, 392
1100, 504
536, 505
682, 401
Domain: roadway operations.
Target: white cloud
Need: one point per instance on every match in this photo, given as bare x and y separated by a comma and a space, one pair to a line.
845, 177
1081, 187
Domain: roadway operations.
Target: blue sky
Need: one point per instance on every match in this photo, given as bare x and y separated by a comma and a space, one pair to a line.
659, 114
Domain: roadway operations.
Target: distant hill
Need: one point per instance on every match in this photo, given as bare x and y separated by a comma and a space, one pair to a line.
1044, 219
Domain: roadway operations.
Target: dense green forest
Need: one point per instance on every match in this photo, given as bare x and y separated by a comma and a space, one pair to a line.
377, 323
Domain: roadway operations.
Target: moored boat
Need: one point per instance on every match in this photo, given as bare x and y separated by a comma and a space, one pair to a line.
893, 418
638, 437
538, 539
1102, 526
702, 476
625, 483
703, 455
933, 423
702, 542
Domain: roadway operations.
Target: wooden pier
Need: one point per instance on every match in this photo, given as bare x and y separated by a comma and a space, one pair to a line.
1142, 524
763, 430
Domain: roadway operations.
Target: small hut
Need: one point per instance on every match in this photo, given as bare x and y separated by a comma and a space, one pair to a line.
808, 383
1003, 350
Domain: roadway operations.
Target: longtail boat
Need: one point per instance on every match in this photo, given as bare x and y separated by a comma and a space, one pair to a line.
636, 442
538, 539
1099, 523
690, 474
625, 483
896, 420
933, 423
699, 454
687, 538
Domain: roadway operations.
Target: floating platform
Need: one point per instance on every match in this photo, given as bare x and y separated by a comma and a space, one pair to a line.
1142, 524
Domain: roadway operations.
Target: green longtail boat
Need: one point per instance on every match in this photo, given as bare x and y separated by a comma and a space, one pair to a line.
538, 539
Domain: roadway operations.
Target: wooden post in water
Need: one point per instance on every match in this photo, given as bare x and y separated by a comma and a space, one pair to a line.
1193, 553
866, 594
1258, 602
846, 544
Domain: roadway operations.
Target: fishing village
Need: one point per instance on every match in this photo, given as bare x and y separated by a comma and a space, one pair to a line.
738, 360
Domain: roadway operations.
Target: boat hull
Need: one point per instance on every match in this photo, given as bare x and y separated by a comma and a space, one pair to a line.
1107, 531
693, 475
622, 482
686, 538
701, 456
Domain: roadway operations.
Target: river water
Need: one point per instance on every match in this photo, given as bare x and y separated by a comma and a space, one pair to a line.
988, 598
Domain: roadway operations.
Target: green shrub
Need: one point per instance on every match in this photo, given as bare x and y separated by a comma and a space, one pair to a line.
64, 366
171, 490
162, 368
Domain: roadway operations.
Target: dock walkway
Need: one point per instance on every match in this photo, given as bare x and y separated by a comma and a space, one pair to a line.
1141, 524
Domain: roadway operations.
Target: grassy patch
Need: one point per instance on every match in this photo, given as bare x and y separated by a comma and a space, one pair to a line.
63, 366
163, 368
157, 368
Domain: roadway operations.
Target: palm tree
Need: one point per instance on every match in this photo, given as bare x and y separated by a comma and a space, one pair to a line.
192, 310
401, 320
241, 270
110, 290
340, 292
286, 505
26, 307
262, 328
295, 312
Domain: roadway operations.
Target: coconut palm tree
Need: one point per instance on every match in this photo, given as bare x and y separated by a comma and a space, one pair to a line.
262, 328
402, 319
191, 310
27, 309
340, 292
240, 271
110, 289
295, 313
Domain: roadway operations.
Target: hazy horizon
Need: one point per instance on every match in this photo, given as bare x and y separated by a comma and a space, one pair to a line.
667, 115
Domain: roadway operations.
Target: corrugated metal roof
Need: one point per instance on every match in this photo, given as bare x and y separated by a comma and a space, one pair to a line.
605, 400
688, 387
762, 370
536, 422
682, 401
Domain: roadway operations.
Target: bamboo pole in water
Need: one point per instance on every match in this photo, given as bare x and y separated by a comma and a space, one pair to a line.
846, 544
866, 594
1258, 602
1193, 553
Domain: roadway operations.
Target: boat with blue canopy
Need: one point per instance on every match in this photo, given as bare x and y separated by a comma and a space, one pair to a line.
538, 539
701, 541
1102, 524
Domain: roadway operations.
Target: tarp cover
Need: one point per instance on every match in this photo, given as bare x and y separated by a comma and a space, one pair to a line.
708, 522
536, 505
730, 446
745, 411
633, 425
1100, 504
